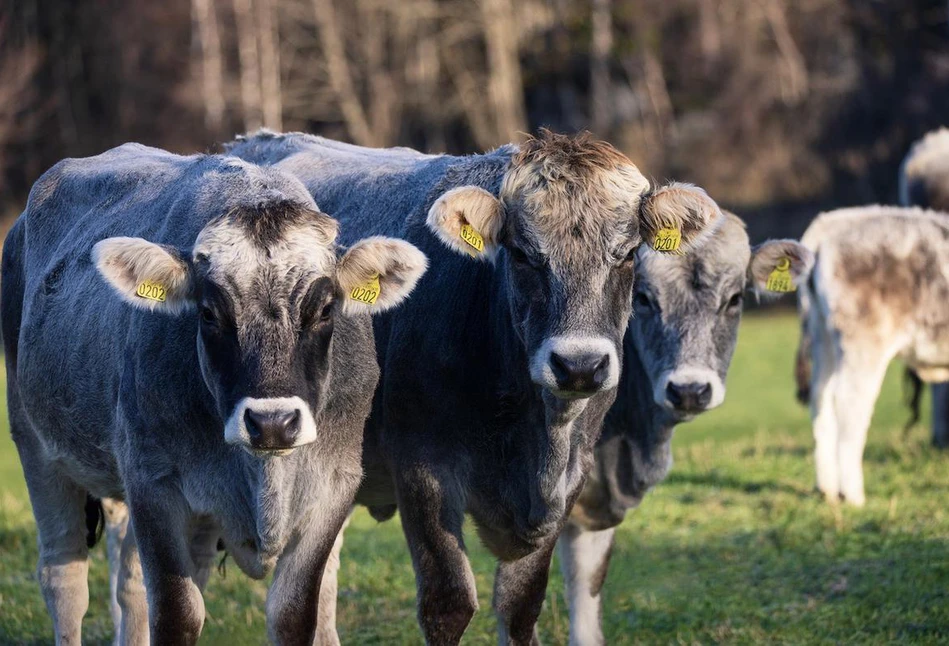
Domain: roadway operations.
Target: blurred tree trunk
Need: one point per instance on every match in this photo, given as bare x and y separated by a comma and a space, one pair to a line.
340, 75
505, 86
270, 64
212, 66
601, 112
249, 63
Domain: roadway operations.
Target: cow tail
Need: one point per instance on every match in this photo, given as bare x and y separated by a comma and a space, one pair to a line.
912, 396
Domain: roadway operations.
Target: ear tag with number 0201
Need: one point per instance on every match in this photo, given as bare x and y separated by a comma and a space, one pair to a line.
472, 238
667, 240
779, 280
151, 290
368, 292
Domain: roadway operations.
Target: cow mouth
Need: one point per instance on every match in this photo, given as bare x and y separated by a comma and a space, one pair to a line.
269, 452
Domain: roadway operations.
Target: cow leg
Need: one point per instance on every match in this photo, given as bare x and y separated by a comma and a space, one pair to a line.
116, 527
433, 512
940, 393
294, 595
160, 522
59, 509
856, 391
130, 594
326, 634
585, 559
519, 590
823, 411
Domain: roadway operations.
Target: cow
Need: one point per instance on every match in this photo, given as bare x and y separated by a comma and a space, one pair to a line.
878, 291
924, 182
185, 334
676, 353
497, 374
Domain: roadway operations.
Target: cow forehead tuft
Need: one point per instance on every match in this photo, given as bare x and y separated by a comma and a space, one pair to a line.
576, 217
281, 243
726, 251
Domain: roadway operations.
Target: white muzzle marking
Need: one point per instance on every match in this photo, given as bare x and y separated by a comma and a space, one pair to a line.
567, 346
686, 375
235, 430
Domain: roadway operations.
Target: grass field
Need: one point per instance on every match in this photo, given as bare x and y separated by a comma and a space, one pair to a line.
733, 548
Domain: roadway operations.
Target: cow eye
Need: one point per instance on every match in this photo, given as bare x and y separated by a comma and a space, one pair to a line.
518, 256
326, 313
630, 255
207, 316
642, 300
735, 300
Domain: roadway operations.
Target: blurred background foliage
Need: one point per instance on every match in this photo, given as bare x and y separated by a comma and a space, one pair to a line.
777, 107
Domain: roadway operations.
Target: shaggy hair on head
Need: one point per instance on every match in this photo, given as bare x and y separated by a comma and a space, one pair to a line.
577, 156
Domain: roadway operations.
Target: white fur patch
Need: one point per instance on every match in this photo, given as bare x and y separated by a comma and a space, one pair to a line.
543, 375
235, 430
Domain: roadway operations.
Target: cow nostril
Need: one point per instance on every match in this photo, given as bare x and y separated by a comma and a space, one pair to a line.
250, 421
693, 396
560, 367
272, 429
581, 373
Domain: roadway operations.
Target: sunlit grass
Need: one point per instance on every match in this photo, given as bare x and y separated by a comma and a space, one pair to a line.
734, 547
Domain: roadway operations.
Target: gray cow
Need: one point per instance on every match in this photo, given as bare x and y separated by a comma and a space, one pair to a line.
497, 375
680, 341
184, 334
924, 182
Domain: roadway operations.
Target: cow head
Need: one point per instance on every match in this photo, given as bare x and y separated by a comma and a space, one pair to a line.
564, 231
266, 286
686, 311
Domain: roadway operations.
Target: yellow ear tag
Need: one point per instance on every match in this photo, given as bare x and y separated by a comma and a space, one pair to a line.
368, 292
667, 240
473, 238
779, 280
151, 290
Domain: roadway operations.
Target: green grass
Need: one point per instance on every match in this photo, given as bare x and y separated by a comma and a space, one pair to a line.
734, 547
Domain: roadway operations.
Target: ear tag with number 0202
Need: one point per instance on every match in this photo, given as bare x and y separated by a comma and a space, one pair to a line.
667, 240
368, 292
151, 290
473, 238
779, 280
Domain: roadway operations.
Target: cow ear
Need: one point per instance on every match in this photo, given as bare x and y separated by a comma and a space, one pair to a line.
378, 273
468, 219
677, 217
147, 275
779, 266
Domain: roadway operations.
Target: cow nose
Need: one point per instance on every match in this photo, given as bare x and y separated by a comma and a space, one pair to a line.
582, 373
272, 429
689, 397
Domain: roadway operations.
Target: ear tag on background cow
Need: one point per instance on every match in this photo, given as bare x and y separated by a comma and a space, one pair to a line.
779, 280
151, 290
368, 292
472, 238
667, 240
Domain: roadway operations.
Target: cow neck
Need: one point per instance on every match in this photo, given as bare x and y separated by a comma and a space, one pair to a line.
273, 482
643, 420
549, 450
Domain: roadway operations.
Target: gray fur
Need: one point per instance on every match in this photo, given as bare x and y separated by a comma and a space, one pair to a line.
461, 421
685, 322
110, 400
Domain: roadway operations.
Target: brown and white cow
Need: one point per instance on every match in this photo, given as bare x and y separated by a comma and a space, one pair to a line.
879, 290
